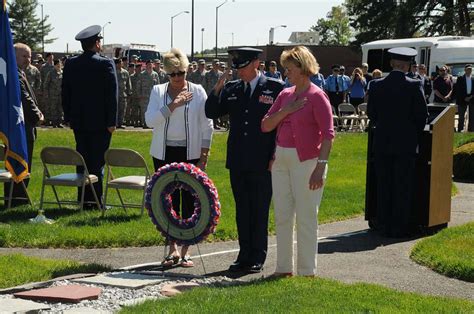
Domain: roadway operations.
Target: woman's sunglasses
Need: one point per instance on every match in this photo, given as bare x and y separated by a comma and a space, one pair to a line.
176, 74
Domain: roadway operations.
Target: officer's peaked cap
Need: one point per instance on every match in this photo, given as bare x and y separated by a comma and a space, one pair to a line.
91, 32
241, 57
402, 53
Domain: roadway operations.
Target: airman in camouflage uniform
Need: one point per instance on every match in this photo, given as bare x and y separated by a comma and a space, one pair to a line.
125, 90
199, 76
210, 80
45, 69
212, 76
147, 79
161, 74
52, 88
133, 108
33, 76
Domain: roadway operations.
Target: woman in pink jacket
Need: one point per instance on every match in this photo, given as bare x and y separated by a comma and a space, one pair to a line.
303, 118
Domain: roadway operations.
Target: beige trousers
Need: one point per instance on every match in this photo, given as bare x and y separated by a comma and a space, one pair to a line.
292, 197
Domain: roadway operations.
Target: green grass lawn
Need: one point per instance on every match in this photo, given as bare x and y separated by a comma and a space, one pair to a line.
343, 198
302, 295
450, 252
17, 269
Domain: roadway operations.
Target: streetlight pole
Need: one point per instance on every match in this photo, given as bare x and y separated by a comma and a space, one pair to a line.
272, 33
202, 41
42, 30
192, 30
172, 18
103, 32
217, 19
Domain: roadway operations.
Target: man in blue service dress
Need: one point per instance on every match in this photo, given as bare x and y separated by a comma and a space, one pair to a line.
89, 99
249, 151
397, 109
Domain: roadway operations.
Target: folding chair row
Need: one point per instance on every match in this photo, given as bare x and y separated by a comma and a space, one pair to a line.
349, 118
56, 157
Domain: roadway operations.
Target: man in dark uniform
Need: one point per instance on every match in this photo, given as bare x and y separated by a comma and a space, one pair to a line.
397, 109
89, 99
335, 87
32, 117
249, 151
413, 73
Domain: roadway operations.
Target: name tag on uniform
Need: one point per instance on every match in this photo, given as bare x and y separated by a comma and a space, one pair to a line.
265, 99
232, 98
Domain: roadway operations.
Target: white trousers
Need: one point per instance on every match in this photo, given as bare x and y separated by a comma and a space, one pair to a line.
292, 196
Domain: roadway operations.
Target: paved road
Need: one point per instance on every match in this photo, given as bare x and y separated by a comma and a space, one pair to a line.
347, 252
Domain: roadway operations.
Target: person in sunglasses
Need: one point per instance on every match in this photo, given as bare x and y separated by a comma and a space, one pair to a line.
181, 133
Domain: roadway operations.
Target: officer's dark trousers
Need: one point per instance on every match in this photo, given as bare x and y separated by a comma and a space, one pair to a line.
92, 146
336, 98
252, 194
395, 189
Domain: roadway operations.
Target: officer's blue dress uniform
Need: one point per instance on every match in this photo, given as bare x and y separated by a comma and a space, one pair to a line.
249, 152
397, 109
90, 100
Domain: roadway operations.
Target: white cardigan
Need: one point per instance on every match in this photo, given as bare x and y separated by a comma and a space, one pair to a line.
198, 128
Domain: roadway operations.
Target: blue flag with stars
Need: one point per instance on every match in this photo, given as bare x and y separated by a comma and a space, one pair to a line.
12, 124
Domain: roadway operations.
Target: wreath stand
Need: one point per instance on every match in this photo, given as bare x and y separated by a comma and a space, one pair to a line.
158, 202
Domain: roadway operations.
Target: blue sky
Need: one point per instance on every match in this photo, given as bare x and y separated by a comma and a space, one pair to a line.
147, 21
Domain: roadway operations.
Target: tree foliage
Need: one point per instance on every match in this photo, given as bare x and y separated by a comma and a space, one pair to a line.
384, 19
28, 28
334, 29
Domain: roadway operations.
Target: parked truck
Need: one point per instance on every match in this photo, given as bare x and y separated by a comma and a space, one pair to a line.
143, 52
434, 52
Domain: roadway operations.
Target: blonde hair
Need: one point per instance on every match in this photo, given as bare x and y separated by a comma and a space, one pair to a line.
302, 58
175, 60
376, 73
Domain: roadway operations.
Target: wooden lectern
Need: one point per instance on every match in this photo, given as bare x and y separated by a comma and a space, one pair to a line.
434, 168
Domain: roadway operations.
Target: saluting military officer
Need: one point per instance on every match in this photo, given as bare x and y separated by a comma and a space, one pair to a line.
89, 99
125, 90
249, 151
397, 109
146, 81
52, 88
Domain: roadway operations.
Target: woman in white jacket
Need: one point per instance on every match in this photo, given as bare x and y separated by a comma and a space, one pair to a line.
181, 133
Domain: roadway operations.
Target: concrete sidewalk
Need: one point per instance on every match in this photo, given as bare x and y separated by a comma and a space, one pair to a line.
348, 252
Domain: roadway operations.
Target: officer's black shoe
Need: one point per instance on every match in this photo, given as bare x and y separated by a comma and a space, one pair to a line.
255, 268
237, 266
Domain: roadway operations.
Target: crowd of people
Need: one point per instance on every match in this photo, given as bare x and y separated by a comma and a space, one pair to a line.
281, 127
135, 84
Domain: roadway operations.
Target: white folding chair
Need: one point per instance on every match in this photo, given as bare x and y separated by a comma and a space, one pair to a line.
125, 158
347, 112
64, 156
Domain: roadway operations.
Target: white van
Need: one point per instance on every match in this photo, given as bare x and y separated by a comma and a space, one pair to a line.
454, 51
